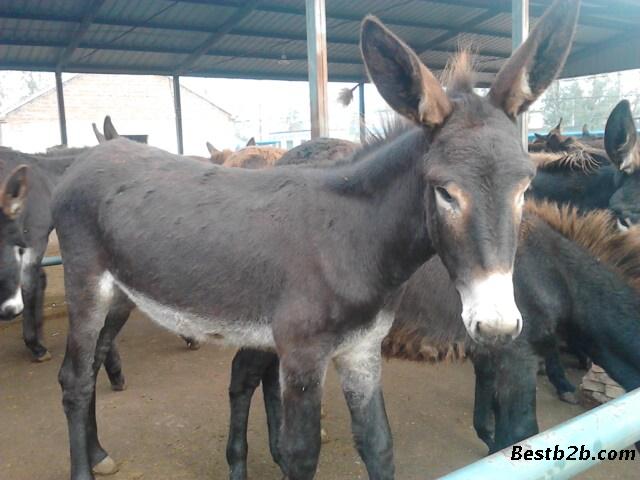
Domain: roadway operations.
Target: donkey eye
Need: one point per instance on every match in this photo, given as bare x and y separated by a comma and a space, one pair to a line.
443, 194
623, 224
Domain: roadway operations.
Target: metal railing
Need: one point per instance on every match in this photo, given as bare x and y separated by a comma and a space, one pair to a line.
612, 427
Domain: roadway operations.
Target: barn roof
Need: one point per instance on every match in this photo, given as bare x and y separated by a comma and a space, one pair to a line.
267, 39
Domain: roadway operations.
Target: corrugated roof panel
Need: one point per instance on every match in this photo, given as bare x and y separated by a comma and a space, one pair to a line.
35, 31
69, 8
155, 12
274, 22
253, 46
434, 59
480, 43
37, 56
413, 36
265, 35
499, 23
143, 38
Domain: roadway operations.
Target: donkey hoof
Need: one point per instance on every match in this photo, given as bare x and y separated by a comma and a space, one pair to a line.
192, 344
119, 387
107, 466
45, 357
324, 436
569, 397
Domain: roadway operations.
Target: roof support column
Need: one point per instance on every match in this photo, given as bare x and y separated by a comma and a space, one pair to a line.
317, 60
62, 117
177, 106
363, 122
519, 33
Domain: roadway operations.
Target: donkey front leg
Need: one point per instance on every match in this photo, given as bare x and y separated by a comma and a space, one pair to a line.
273, 407
558, 377
246, 372
34, 282
360, 372
515, 406
483, 419
302, 372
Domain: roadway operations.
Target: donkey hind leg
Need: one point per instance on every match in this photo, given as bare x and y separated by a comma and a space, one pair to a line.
113, 367
273, 408
302, 373
107, 352
91, 332
246, 372
557, 376
483, 419
360, 372
515, 406
34, 282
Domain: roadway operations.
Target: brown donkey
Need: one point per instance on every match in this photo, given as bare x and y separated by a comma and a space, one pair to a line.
307, 261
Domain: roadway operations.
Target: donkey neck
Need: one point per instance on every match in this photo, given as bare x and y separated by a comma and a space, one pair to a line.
54, 166
384, 188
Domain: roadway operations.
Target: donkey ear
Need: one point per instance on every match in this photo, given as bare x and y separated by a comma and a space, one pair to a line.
535, 64
14, 192
401, 78
251, 142
109, 130
558, 128
540, 137
621, 138
97, 133
212, 149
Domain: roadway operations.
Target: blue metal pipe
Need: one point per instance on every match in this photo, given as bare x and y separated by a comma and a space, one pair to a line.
51, 261
612, 426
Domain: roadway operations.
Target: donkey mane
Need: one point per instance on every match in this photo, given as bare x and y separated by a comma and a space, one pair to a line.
360, 174
410, 343
580, 156
595, 232
459, 76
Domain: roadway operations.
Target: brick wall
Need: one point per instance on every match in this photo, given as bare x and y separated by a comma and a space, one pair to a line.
600, 387
137, 105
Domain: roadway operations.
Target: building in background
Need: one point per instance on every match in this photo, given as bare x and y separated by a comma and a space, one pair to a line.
138, 105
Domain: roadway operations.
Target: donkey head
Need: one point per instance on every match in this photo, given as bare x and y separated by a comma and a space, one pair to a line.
552, 142
218, 156
109, 130
621, 143
475, 170
13, 194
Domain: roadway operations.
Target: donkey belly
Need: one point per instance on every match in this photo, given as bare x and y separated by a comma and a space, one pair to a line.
254, 332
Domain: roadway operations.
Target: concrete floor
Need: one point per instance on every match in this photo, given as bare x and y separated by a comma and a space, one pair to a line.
171, 422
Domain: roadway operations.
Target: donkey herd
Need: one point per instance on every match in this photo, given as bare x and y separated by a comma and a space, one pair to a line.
441, 238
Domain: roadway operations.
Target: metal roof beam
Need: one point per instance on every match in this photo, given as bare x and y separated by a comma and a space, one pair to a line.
334, 15
172, 51
239, 74
504, 6
239, 15
350, 41
212, 53
87, 19
235, 31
